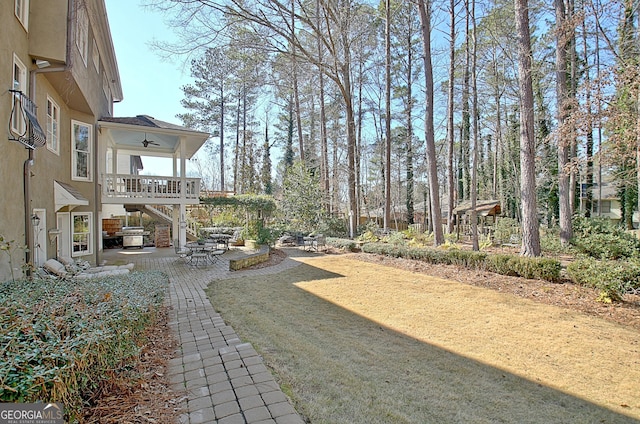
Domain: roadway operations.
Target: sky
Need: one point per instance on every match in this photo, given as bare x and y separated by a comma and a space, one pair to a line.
150, 84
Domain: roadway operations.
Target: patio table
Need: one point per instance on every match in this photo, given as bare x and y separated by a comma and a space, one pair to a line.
220, 239
200, 253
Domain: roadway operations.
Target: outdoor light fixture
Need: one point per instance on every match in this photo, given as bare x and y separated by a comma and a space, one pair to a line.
42, 63
35, 220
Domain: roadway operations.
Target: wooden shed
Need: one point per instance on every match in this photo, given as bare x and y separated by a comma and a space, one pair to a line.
487, 210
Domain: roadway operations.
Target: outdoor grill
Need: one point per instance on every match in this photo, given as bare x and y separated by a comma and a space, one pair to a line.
132, 236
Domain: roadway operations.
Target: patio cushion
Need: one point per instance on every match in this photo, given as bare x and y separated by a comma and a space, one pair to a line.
55, 267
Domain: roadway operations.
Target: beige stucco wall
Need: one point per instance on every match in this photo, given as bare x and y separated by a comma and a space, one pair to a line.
13, 154
49, 41
78, 91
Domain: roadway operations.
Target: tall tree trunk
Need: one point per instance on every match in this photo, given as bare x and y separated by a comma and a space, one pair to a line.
236, 159
387, 116
358, 164
221, 133
637, 126
450, 121
243, 159
530, 228
465, 141
476, 135
351, 153
589, 126
410, 130
324, 144
296, 94
573, 88
424, 11
564, 192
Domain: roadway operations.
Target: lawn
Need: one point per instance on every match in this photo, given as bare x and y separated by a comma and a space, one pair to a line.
356, 342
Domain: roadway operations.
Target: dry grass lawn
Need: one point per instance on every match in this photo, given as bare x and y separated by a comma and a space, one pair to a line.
357, 342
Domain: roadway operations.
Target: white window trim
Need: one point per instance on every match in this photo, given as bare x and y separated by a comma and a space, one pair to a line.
53, 133
90, 147
95, 55
106, 89
90, 234
82, 32
18, 123
21, 10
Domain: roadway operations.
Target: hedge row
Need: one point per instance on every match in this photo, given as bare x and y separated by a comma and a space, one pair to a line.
535, 268
63, 341
342, 243
612, 278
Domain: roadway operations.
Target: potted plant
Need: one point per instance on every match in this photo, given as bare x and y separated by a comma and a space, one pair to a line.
251, 232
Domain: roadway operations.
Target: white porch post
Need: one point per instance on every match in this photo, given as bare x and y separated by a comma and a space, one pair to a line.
183, 187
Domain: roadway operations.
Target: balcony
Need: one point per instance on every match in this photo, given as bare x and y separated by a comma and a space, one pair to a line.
129, 189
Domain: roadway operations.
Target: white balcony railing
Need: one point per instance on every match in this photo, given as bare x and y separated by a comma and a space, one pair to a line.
138, 187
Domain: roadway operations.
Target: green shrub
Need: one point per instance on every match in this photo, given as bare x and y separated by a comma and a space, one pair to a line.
333, 227
395, 237
466, 258
342, 243
368, 236
501, 264
62, 341
539, 268
535, 268
601, 239
612, 278
505, 228
382, 249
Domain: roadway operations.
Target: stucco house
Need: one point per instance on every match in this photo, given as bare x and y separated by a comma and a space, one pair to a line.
65, 155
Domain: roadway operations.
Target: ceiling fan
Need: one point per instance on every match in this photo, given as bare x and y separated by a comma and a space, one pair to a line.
146, 142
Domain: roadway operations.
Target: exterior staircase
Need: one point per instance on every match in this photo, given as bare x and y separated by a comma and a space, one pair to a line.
164, 213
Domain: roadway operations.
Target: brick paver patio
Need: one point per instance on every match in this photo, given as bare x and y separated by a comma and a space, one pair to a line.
225, 379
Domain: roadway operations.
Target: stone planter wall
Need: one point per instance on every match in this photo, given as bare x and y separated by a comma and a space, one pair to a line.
262, 255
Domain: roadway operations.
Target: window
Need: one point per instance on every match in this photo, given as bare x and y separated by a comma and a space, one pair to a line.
53, 126
82, 233
82, 32
604, 204
95, 56
18, 124
22, 12
81, 146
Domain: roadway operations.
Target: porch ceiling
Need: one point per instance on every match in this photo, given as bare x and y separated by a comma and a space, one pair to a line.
128, 134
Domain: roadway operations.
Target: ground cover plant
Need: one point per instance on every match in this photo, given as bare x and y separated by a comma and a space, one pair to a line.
70, 341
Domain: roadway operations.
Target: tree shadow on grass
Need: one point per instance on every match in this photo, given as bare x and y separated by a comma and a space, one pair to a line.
342, 367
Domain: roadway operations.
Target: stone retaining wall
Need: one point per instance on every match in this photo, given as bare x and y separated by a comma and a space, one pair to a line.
262, 255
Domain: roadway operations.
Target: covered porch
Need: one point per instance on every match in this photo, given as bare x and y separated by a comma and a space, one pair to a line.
125, 143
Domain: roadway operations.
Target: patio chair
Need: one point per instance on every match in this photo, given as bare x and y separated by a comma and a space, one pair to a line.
214, 254
319, 241
183, 252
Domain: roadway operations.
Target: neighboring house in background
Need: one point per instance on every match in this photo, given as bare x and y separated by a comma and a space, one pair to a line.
608, 206
59, 79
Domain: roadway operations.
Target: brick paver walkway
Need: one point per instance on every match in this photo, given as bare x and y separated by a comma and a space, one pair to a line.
225, 379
